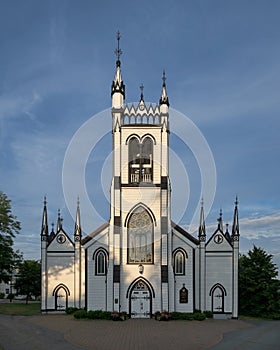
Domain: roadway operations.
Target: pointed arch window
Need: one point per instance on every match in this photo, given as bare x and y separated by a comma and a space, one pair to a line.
100, 263
140, 160
179, 263
140, 237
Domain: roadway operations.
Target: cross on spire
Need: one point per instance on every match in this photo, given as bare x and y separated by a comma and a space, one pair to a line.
142, 94
118, 51
163, 78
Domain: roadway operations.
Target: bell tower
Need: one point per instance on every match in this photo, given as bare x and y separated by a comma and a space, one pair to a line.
140, 223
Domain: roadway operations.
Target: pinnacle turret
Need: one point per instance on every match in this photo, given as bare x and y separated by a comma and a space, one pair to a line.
44, 229
202, 230
164, 97
142, 93
78, 230
59, 221
117, 84
235, 225
220, 221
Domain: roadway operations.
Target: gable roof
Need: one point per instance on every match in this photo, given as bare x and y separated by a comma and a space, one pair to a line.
95, 233
184, 233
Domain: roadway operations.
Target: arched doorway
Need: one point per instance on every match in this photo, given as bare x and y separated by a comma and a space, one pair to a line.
61, 294
140, 300
218, 298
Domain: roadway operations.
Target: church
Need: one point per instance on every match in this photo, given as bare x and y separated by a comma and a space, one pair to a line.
140, 261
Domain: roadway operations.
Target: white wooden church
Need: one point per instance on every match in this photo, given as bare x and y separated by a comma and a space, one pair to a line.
140, 261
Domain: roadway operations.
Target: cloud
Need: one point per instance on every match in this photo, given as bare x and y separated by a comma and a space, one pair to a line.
256, 227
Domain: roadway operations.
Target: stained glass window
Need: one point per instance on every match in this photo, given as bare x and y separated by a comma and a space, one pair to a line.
140, 237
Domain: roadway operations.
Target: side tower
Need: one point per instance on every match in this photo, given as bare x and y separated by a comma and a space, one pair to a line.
44, 245
140, 224
62, 266
235, 243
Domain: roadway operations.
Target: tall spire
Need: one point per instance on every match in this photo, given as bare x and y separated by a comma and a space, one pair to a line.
201, 230
164, 97
44, 229
59, 221
78, 230
220, 221
117, 84
235, 225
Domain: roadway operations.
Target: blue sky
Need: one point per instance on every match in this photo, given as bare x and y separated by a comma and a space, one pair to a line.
222, 60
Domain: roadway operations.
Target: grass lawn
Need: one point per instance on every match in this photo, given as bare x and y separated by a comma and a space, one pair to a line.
21, 309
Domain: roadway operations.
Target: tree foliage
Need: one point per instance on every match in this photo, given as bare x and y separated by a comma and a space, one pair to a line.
28, 281
8, 222
259, 288
9, 227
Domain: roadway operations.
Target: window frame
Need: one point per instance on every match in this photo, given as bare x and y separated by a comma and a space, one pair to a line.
133, 236
140, 158
177, 254
97, 255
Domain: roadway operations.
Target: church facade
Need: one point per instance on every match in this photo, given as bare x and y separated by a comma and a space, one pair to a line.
140, 261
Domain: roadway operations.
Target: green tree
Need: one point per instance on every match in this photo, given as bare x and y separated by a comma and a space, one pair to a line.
28, 280
259, 288
9, 227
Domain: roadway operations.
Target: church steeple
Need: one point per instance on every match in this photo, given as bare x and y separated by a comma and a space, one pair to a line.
235, 225
78, 230
202, 230
44, 229
164, 97
118, 87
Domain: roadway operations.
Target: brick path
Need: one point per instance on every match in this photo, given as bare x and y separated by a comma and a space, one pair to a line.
138, 334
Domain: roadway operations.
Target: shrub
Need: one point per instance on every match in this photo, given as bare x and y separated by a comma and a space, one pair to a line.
10, 296
71, 310
199, 316
99, 315
176, 315
181, 316
275, 316
2, 295
80, 314
208, 314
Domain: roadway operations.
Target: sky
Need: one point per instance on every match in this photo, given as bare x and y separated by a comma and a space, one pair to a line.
222, 63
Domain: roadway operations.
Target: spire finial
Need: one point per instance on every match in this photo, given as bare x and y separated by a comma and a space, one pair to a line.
220, 221
163, 78
236, 200
59, 221
118, 51
142, 94
202, 202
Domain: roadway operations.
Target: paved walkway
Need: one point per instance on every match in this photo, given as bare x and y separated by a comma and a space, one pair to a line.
61, 332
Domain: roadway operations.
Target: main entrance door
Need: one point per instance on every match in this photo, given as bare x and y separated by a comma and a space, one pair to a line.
140, 301
61, 299
218, 300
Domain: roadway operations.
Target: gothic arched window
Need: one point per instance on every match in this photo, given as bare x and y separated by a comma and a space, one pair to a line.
140, 160
100, 263
140, 237
179, 263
